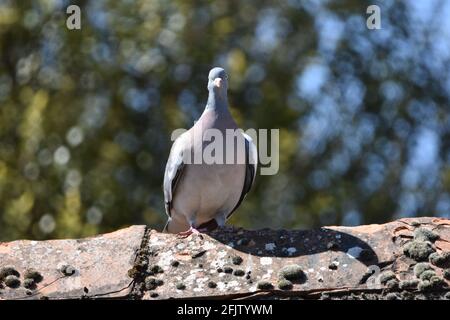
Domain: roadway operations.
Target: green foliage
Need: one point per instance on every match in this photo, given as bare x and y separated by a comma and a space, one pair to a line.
86, 115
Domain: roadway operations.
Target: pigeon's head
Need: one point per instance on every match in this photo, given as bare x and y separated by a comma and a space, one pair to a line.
218, 81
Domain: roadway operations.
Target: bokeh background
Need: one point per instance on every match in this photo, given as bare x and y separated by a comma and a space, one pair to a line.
86, 115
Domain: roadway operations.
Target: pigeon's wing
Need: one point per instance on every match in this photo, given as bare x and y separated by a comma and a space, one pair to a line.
251, 164
174, 172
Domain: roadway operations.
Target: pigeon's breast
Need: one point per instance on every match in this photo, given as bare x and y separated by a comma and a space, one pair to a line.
209, 190
212, 182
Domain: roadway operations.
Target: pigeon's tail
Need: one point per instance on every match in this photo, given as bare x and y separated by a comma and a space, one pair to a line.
209, 225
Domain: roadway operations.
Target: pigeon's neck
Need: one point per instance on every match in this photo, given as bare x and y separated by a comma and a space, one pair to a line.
217, 103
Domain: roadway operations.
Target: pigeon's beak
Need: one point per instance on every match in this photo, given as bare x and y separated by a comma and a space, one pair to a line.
218, 82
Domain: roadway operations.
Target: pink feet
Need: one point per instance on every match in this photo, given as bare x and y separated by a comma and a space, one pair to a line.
185, 234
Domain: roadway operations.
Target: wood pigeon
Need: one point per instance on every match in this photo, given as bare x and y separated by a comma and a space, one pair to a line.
202, 196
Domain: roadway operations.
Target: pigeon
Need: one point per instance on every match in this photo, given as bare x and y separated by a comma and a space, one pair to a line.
202, 196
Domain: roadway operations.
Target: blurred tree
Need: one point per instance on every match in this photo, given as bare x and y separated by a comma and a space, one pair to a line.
86, 115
